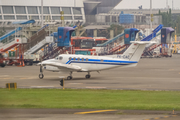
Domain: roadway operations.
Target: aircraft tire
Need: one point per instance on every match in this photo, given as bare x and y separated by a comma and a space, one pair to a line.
41, 76
88, 76
69, 78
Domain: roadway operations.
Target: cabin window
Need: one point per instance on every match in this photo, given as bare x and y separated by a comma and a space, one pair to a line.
74, 58
82, 59
60, 58
86, 59
70, 58
78, 59
102, 60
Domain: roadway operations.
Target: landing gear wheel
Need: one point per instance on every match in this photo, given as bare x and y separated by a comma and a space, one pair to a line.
88, 76
41, 76
69, 78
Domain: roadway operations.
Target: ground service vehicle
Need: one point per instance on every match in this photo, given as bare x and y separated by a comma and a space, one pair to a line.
2, 61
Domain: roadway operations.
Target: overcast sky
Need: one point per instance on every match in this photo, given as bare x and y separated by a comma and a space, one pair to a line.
133, 4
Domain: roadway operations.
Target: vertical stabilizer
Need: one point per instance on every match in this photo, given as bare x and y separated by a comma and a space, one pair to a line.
135, 50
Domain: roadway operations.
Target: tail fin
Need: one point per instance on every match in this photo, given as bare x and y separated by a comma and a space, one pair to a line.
135, 50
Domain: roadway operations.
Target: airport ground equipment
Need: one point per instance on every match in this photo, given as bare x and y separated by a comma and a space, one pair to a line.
2, 60
154, 33
62, 39
148, 51
166, 35
35, 43
8, 36
119, 42
129, 35
8, 41
111, 40
15, 40
166, 38
37, 47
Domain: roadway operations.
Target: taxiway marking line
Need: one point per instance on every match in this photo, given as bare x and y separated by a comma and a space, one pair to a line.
23, 78
6, 78
98, 111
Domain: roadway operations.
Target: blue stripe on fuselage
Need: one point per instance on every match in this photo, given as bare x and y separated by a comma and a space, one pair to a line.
97, 61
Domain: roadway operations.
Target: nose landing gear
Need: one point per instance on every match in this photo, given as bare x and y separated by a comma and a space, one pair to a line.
88, 75
70, 77
41, 75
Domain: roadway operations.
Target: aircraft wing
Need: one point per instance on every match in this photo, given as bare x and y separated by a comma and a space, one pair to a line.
62, 66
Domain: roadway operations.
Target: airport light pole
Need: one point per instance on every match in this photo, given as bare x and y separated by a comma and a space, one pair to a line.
151, 16
42, 22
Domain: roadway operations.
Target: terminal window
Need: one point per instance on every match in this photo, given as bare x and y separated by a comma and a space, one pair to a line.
20, 10
8, 9
45, 10
67, 17
21, 17
77, 10
9, 17
78, 17
56, 17
55, 10
67, 10
32, 10
35, 17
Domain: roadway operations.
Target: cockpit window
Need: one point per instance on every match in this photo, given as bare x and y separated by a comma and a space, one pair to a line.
60, 58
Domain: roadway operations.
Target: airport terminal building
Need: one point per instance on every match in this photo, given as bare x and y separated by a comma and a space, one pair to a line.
74, 10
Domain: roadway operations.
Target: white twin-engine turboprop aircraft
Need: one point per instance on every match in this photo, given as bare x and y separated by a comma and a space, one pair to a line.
69, 63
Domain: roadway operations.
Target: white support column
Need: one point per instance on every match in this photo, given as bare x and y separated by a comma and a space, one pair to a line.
42, 22
151, 15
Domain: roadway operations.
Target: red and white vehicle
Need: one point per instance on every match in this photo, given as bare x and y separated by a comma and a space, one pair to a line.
2, 60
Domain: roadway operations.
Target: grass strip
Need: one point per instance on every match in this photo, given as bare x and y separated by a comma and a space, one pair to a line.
90, 99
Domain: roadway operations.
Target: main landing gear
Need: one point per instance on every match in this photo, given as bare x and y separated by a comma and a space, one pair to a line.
70, 77
88, 76
41, 75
